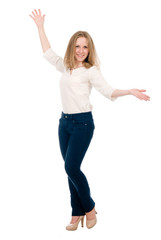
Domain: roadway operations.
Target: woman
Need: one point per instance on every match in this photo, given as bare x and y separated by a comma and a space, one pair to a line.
80, 71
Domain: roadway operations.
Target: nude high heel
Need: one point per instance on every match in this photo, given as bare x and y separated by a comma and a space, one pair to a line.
74, 226
91, 223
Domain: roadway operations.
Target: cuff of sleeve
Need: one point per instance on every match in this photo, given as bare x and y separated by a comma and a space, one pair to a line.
47, 53
113, 98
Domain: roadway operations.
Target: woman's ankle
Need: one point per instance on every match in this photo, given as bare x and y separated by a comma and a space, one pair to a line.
74, 219
91, 215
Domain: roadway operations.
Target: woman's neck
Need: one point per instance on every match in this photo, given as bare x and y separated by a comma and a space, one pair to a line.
78, 65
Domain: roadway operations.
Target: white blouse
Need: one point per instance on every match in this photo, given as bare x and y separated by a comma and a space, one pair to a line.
75, 87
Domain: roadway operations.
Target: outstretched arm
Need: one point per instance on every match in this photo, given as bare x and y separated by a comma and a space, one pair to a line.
39, 21
135, 92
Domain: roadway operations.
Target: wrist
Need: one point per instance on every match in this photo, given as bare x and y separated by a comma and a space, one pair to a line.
40, 27
129, 92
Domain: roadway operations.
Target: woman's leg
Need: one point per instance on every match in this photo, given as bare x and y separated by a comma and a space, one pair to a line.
77, 146
64, 138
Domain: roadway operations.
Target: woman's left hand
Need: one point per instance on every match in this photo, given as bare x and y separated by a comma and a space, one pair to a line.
139, 94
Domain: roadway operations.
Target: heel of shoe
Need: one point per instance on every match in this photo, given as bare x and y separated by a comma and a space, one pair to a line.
82, 221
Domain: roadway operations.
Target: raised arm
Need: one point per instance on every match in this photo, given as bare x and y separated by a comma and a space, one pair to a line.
39, 21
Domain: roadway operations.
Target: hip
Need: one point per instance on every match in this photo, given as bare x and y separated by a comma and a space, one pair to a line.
82, 120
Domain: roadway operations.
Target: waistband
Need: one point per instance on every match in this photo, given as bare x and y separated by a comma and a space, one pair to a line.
76, 115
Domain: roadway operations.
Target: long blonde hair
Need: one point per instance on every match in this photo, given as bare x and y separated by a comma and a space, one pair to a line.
92, 58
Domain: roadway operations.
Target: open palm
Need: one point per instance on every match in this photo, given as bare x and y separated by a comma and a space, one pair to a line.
37, 17
139, 94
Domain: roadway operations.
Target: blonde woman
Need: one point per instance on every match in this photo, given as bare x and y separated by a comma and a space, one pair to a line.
80, 72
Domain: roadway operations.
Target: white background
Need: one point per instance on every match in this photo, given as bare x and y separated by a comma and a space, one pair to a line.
123, 161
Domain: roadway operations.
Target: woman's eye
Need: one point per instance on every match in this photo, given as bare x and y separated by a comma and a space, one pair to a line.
77, 46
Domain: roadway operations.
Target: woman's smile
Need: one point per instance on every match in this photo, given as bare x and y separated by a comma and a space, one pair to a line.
81, 50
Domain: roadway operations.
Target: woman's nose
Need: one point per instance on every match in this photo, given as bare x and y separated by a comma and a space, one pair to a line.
81, 50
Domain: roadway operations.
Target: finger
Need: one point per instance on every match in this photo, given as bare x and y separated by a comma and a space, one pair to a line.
39, 11
36, 12
33, 14
144, 95
141, 96
146, 98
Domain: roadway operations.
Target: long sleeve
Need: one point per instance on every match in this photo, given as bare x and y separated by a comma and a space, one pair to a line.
99, 83
54, 59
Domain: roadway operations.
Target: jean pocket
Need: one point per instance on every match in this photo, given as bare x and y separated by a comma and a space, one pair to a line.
85, 124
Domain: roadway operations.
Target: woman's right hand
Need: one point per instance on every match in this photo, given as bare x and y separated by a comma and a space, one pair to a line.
37, 17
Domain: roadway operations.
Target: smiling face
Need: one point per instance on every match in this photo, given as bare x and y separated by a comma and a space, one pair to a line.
81, 51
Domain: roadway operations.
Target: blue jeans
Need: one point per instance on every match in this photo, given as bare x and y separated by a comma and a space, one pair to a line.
75, 134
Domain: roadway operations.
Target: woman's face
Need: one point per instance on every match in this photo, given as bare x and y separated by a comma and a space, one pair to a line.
81, 50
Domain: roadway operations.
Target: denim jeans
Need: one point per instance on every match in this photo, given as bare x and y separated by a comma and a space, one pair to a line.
75, 133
